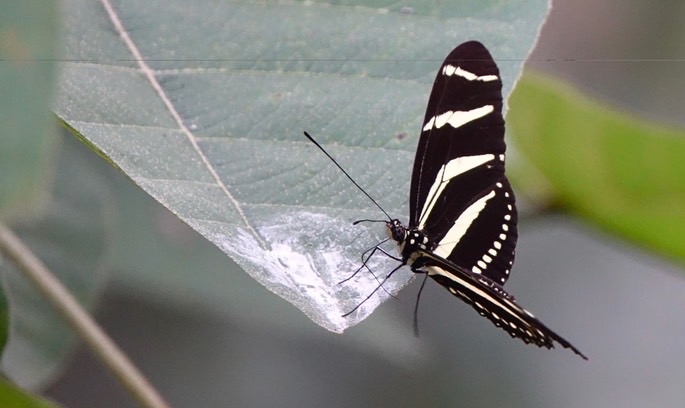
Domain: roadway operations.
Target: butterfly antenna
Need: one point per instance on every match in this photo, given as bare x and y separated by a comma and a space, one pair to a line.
311, 139
360, 221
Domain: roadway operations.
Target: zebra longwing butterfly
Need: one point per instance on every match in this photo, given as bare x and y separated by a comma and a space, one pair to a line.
462, 220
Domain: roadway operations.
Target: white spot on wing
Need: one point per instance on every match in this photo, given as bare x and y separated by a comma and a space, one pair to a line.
429, 124
448, 70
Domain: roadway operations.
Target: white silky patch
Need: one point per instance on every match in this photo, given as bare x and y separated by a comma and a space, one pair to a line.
305, 264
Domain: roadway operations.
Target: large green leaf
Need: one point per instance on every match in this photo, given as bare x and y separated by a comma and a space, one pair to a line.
210, 121
620, 172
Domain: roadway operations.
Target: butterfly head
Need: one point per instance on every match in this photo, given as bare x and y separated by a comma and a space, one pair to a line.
396, 231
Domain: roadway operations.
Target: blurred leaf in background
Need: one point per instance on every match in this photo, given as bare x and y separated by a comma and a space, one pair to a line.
13, 397
48, 195
28, 51
72, 236
612, 169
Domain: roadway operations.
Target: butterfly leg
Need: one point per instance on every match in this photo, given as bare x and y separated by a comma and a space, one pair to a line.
416, 307
365, 259
380, 285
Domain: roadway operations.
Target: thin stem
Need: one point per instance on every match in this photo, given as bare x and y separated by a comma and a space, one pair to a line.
103, 347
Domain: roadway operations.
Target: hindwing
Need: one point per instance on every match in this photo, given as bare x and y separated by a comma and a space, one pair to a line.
494, 303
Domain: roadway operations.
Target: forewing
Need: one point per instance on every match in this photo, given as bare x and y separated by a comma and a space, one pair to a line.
459, 195
463, 127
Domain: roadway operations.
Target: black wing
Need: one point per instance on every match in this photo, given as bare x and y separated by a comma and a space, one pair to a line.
459, 195
491, 301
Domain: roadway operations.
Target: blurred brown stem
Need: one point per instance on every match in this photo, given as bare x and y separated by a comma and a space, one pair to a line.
104, 348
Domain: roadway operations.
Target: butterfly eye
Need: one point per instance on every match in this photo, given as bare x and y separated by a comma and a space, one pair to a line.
396, 231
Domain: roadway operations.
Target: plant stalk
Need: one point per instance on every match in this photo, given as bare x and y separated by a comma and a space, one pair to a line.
84, 325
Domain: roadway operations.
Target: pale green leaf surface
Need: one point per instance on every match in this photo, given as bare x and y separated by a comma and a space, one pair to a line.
618, 171
214, 130
71, 239
28, 43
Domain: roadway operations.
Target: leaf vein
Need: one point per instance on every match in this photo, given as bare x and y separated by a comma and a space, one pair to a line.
152, 79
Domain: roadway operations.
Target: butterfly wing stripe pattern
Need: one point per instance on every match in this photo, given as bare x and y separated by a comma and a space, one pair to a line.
462, 227
462, 222
498, 307
459, 167
446, 173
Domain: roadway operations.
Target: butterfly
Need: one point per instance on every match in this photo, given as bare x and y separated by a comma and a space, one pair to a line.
462, 228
